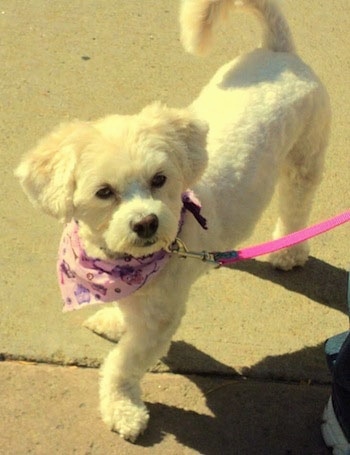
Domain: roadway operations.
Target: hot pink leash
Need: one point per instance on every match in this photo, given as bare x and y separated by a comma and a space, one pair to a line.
289, 240
229, 257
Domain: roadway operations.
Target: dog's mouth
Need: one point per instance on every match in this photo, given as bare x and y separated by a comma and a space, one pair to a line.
144, 243
138, 248
152, 245
148, 243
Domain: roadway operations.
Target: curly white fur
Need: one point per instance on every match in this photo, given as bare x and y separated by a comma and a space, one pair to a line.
263, 118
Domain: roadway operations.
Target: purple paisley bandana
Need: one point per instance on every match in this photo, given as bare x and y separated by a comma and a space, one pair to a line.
85, 280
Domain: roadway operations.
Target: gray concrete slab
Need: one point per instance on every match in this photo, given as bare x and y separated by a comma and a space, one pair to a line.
53, 410
84, 59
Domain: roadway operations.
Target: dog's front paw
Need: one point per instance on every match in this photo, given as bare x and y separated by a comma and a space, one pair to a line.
290, 257
126, 418
107, 323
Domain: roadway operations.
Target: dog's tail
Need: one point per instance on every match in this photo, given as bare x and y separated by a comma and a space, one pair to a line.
198, 18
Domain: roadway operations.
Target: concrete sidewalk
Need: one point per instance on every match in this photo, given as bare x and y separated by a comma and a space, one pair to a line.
246, 372
54, 410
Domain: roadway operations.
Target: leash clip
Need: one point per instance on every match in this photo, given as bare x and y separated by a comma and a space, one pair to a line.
178, 247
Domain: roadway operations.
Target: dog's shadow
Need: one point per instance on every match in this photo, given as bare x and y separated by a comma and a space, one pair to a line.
254, 417
242, 417
318, 281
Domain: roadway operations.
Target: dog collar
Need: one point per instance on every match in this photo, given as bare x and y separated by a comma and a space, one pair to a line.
86, 280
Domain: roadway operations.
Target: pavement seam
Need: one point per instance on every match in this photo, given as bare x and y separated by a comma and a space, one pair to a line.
233, 377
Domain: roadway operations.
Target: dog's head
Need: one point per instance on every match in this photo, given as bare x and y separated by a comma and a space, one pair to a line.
121, 176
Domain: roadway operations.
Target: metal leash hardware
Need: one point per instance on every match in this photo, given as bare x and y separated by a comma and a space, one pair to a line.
178, 247
226, 258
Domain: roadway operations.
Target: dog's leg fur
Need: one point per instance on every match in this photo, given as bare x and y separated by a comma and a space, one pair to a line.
300, 176
108, 323
121, 406
150, 325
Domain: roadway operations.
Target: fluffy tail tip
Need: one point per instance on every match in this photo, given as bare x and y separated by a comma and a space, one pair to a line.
196, 20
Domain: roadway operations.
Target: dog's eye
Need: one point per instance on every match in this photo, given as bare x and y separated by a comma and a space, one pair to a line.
158, 181
106, 192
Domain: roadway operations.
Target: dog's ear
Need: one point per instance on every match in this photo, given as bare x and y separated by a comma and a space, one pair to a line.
193, 133
186, 135
46, 173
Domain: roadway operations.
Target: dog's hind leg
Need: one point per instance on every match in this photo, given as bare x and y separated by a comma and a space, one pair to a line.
299, 178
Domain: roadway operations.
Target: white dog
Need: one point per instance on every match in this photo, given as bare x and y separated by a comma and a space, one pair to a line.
263, 118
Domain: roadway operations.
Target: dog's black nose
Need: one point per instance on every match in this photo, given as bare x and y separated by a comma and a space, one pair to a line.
146, 227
